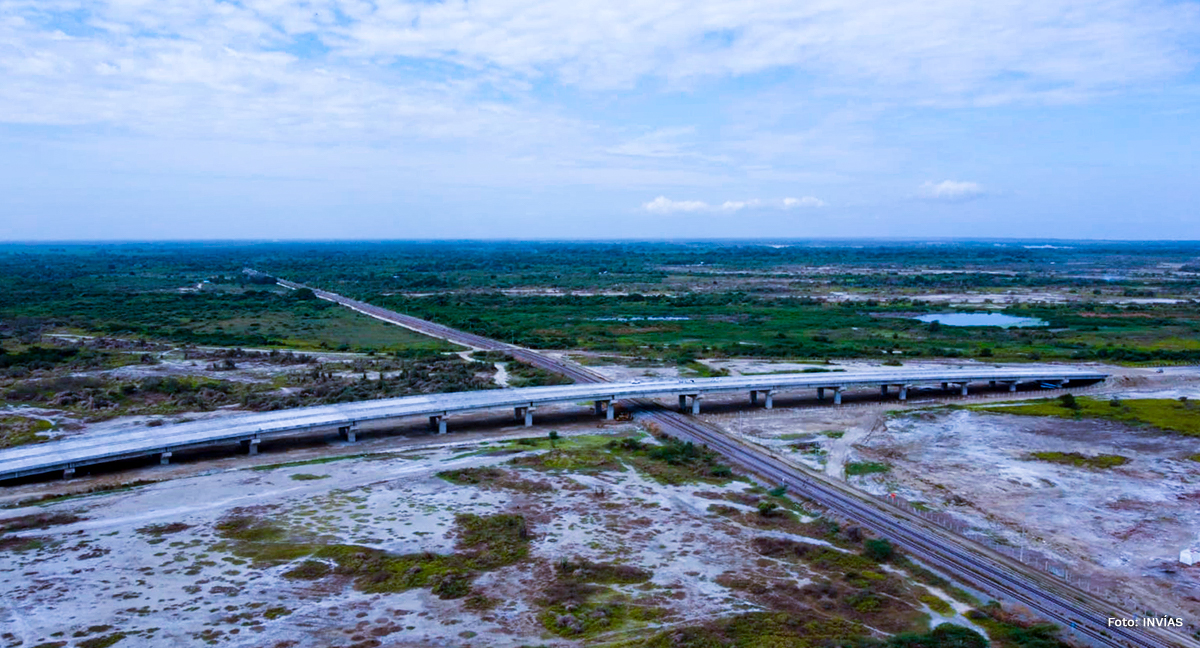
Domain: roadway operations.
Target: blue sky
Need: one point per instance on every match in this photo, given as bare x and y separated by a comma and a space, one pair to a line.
183, 119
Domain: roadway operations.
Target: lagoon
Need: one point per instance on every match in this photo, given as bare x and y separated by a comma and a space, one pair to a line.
982, 319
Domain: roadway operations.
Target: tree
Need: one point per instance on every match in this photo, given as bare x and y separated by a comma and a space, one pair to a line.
553, 437
767, 508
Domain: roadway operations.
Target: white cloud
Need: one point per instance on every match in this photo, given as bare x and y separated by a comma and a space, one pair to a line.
952, 190
806, 201
664, 205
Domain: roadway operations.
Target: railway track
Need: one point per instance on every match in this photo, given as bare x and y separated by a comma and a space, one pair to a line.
1085, 614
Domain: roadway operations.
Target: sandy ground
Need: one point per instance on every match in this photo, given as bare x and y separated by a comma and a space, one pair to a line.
101, 575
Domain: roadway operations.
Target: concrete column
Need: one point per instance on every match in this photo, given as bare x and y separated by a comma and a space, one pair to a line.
837, 396
528, 416
992, 384
610, 410
349, 432
682, 403
438, 422
770, 400
1012, 386
820, 393
903, 392
68, 472
883, 390
964, 389
252, 446
599, 407
696, 404
164, 458
753, 397
945, 385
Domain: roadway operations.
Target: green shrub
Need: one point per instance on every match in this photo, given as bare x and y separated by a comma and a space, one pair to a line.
879, 550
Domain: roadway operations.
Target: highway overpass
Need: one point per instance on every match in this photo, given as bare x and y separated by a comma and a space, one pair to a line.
252, 429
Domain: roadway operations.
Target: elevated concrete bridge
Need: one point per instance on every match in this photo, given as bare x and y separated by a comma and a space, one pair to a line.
252, 429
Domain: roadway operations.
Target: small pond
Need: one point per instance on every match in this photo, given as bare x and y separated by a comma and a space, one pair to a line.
981, 319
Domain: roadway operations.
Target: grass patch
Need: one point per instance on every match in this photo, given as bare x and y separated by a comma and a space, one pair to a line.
45, 500
820, 558
308, 570
937, 604
1008, 631
309, 462
493, 477
576, 604
1096, 462
159, 530
484, 543
102, 642
854, 468
307, 477
759, 630
37, 521
19, 430
1180, 416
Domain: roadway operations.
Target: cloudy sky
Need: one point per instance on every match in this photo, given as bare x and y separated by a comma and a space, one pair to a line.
158, 119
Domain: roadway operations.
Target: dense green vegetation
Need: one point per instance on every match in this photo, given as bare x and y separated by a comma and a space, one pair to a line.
1182, 415
660, 300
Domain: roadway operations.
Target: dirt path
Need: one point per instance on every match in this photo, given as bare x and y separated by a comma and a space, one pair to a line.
860, 432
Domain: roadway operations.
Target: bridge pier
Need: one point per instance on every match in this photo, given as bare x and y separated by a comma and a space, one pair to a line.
524, 412
992, 384
945, 385
683, 403
438, 422
903, 392
837, 396
767, 394
606, 408
349, 432
164, 458
1012, 386
883, 390
68, 472
251, 446
820, 393
964, 389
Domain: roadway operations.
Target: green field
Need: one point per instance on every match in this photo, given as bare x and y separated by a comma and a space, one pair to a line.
670, 302
1166, 414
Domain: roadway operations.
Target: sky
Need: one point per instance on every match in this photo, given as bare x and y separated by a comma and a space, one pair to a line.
384, 119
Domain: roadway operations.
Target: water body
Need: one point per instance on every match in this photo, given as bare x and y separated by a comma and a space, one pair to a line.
641, 319
982, 319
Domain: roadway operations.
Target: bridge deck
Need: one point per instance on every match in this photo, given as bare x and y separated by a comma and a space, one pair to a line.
143, 441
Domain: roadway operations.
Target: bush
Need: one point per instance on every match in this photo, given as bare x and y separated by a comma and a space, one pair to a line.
879, 550
1068, 401
766, 508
